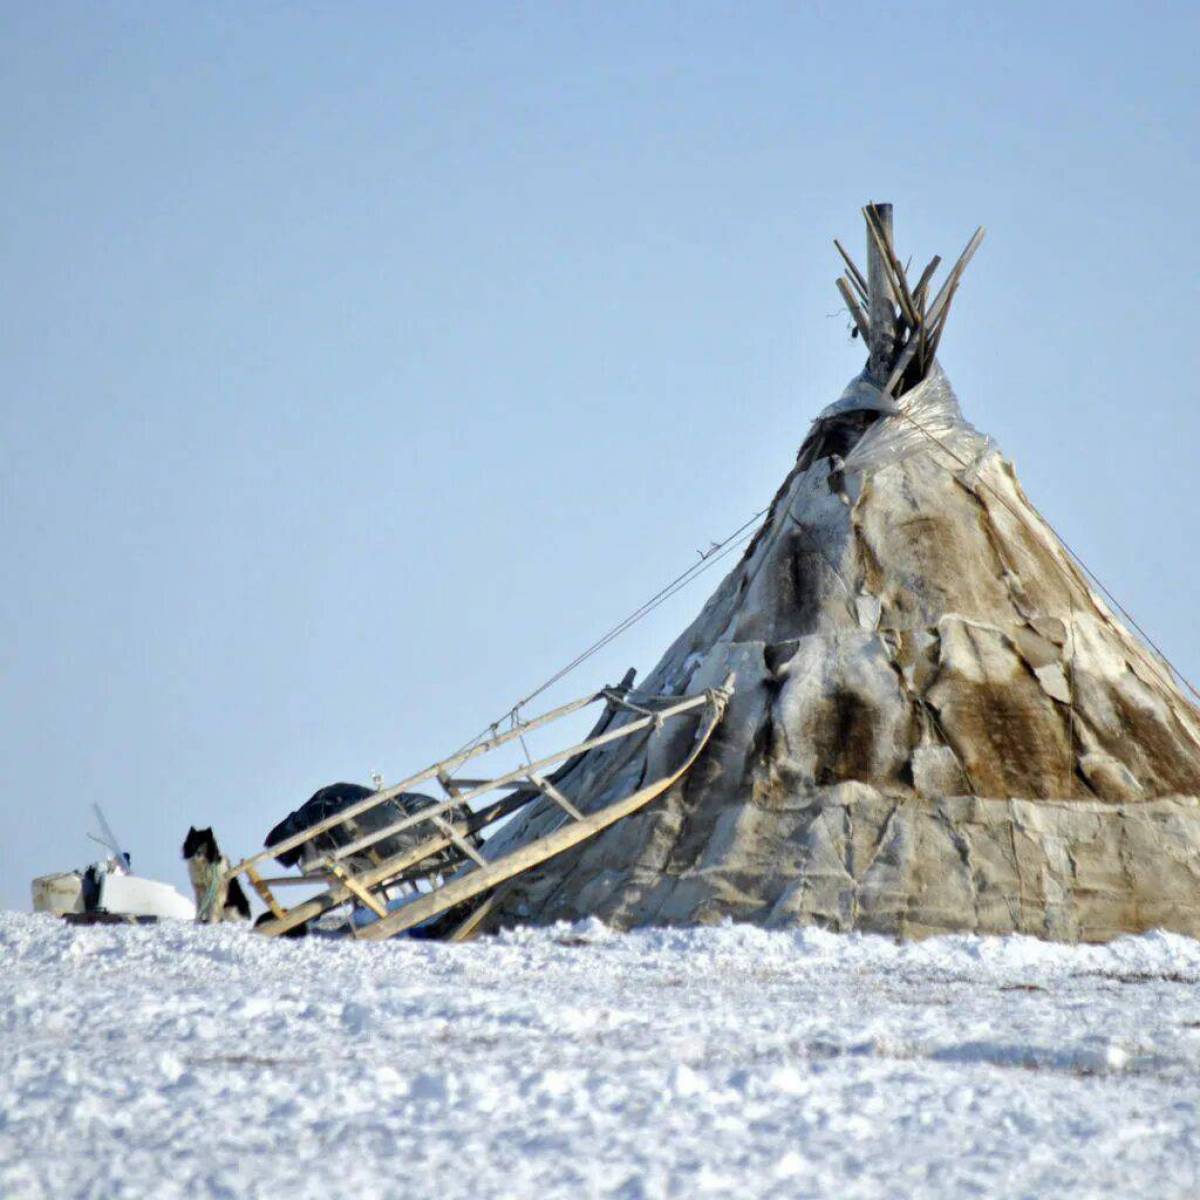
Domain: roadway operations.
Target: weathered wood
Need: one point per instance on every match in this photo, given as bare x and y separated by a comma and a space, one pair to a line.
548, 789
448, 785
391, 869
640, 703
464, 847
882, 239
906, 356
472, 884
449, 765
855, 274
935, 334
923, 283
357, 889
264, 892
467, 784
956, 273
937, 320
402, 865
919, 300
864, 328
882, 317
466, 929
936, 309
519, 773
294, 880
893, 289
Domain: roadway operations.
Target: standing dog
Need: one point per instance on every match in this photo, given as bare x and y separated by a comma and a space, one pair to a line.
205, 861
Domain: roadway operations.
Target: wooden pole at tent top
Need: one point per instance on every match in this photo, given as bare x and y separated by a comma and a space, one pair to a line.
882, 314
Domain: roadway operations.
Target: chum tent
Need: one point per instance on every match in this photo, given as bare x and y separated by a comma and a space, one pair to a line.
939, 724
907, 709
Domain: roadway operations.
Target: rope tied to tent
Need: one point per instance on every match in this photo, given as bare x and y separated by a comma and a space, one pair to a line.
718, 551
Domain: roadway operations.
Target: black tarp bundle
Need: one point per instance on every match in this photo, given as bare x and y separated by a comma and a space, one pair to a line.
331, 800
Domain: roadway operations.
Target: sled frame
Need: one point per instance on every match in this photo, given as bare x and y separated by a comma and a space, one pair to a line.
444, 824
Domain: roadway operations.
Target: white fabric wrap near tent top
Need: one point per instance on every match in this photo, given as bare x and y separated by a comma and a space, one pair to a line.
918, 421
937, 724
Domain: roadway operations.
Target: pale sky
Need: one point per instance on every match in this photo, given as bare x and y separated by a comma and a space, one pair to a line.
361, 363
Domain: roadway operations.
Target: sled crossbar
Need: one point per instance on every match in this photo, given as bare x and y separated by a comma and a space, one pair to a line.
451, 823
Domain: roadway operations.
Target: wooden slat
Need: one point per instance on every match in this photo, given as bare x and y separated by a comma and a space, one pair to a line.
882, 318
879, 248
547, 788
465, 930
855, 274
864, 329
923, 283
906, 356
448, 764
919, 300
292, 880
956, 274
265, 894
463, 845
468, 784
357, 889
473, 883
935, 310
938, 321
935, 335
646, 699
591, 744
883, 242
402, 865
391, 869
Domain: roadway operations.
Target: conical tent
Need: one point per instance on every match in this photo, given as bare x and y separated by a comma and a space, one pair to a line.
938, 724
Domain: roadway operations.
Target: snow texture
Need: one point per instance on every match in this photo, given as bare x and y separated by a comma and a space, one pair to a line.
571, 1061
937, 726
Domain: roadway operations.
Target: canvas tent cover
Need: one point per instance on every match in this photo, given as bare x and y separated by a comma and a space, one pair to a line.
938, 724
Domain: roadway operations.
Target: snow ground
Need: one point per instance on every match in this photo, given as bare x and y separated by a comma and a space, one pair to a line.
179, 1061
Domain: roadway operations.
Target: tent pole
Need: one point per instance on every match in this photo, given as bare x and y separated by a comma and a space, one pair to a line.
882, 319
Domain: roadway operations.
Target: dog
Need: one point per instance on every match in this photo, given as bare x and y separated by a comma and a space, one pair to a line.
204, 859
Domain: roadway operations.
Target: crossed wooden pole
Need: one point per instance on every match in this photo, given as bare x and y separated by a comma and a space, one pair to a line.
900, 325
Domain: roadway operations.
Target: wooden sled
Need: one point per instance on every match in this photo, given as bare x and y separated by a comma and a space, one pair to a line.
472, 805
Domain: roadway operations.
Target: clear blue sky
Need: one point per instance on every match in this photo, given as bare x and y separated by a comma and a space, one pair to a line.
361, 362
